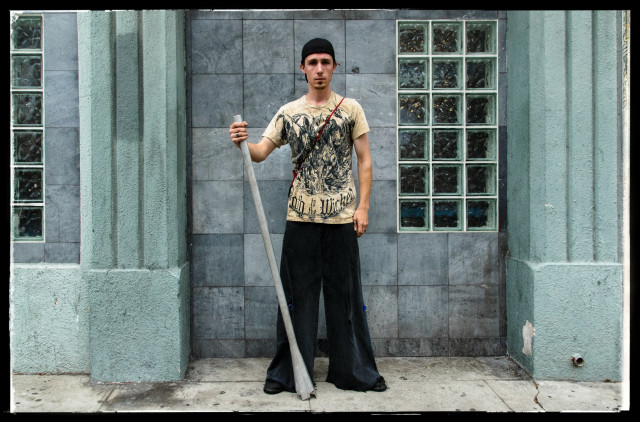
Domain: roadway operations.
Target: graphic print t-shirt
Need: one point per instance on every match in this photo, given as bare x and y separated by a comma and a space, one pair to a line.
324, 190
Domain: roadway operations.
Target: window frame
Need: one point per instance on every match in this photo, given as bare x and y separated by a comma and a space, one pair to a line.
462, 56
16, 128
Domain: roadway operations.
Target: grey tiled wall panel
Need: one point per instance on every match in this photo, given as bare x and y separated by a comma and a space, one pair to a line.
360, 45
28, 252
60, 41
212, 348
218, 313
377, 95
379, 259
214, 156
62, 154
61, 221
422, 311
60, 86
62, 252
424, 260
218, 99
382, 310
211, 40
217, 206
382, 144
473, 258
435, 294
217, 260
261, 312
473, 311
267, 46
257, 271
382, 207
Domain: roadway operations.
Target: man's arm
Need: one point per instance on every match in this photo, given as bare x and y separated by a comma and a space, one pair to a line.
260, 151
361, 216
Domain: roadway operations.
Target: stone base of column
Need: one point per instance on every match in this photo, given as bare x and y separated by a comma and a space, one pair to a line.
139, 321
565, 319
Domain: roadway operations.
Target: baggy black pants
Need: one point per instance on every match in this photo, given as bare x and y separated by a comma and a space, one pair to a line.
324, 255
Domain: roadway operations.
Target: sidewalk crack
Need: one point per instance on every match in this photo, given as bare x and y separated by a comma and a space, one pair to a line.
535, 398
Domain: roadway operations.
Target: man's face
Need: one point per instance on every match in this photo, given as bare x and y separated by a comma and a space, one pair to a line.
319, 68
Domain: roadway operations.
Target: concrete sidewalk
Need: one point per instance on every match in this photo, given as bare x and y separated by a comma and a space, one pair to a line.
494, 384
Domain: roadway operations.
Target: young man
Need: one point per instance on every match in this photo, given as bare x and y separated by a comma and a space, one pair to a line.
324, 220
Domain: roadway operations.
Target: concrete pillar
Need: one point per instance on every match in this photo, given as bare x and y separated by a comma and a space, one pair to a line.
564, 272
133, 193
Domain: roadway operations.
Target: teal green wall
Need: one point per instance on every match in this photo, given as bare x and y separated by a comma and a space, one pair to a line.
564, 277
133, 168
49, 310
139, 324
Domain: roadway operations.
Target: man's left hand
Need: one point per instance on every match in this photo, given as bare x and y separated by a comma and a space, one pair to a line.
360, 221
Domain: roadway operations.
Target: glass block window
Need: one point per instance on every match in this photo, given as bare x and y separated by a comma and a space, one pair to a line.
447, 128
27, 128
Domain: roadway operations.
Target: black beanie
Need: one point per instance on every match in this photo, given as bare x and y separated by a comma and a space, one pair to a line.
317, 45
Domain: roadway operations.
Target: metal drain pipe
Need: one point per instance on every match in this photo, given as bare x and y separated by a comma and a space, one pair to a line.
577, 360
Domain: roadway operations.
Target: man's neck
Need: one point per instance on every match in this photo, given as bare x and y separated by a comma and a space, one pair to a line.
318, 96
